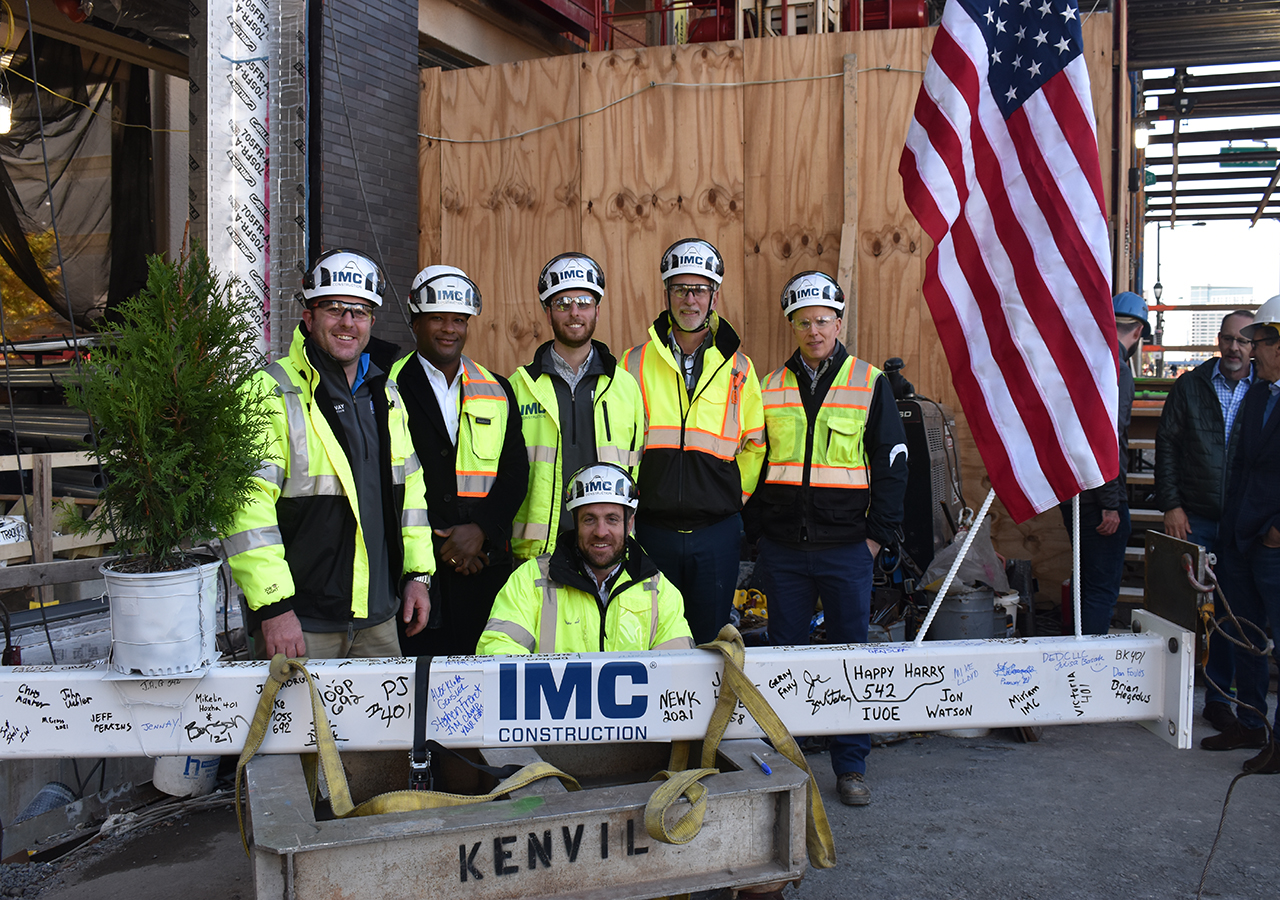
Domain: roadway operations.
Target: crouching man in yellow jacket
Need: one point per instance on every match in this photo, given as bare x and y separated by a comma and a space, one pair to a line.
597, 590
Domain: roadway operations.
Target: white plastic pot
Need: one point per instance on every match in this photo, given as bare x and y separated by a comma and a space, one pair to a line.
163, 623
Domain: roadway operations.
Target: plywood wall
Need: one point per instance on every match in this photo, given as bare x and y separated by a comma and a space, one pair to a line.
781, 151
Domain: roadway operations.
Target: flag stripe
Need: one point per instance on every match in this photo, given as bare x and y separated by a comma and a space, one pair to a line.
1001, 170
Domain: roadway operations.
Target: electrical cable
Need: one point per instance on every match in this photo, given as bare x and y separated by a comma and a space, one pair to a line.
650, 86
1212, 625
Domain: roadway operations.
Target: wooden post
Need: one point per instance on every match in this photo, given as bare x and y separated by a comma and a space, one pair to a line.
847, 272
42, 519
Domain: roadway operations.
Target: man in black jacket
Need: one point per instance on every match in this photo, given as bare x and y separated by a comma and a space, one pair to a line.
466, 430
831, 495
1249, 538
1104, 511
1194, 443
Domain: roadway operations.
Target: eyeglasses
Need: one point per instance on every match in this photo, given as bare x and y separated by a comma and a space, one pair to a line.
564, 304
1266, 341
336, 309
697, 291
818, 322
1232, 339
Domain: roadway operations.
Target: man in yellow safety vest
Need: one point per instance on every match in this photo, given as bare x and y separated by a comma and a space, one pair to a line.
704, 437
577, 405
467, 434
597, 591
832, 493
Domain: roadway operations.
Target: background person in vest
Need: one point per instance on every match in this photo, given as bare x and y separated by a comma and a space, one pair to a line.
832, 491
577, 405
602, 592
465, 428
338, 522
1196, 439
704, 437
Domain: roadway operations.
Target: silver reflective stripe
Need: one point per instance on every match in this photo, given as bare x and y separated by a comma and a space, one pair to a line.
475, 485
616, 455
415, 518
313, 486
680, 643
516, 632
411, 464
531, 531
397, 474
541, 453
858, 374
550, 609
300, 482
252, 539
652, 587
269, 471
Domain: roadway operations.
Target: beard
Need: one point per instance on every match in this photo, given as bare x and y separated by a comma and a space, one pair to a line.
569, 339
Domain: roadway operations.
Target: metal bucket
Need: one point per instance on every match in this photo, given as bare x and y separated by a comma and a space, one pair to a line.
965, 615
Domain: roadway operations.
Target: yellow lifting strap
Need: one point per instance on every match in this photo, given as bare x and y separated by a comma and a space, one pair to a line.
735, 687
282, 670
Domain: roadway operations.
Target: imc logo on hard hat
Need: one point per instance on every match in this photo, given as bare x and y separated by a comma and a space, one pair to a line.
452, 295
691, 260
577, 686
574, 273
343, 276
806, 292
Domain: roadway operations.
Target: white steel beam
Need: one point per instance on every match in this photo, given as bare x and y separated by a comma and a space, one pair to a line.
57, 711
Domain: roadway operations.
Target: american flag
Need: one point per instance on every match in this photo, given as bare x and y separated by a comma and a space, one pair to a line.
1001, 169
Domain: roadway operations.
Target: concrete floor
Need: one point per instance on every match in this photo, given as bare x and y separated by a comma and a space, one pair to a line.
1095, 811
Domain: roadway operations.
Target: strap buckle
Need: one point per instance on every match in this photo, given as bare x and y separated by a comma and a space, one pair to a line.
419, 770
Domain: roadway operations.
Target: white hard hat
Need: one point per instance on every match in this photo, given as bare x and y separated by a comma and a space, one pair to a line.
692, 256
568, 271
1267, 314
601, 483
812, 288
444, 289
344, 273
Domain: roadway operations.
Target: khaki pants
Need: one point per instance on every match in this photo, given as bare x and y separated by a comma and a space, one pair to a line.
378, 641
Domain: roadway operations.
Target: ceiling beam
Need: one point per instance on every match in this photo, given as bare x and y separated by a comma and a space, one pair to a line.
46, 19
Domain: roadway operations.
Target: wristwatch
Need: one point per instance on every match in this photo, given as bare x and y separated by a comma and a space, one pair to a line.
421, 577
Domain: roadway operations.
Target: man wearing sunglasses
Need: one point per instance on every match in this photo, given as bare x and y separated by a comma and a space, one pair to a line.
1249, 537
832, 492
1199, 429
578, 407
337, 525
467, 434
704, 437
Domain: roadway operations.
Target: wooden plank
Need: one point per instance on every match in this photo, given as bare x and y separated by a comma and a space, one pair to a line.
661, 166
428, 168
1100, 58
796, 187
60, 571
60, 544
511, 204
67, 458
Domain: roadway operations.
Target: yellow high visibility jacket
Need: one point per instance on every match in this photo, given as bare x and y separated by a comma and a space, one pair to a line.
483, 411
549, 605
835, 458
297, 542
619, 436
702, 453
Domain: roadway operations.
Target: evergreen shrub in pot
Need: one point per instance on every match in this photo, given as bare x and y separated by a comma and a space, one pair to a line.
181, 437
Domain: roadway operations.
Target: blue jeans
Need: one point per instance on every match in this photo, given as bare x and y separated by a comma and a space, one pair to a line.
1251, 583
1101, 566
792, 581
1220, 666
703, 565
